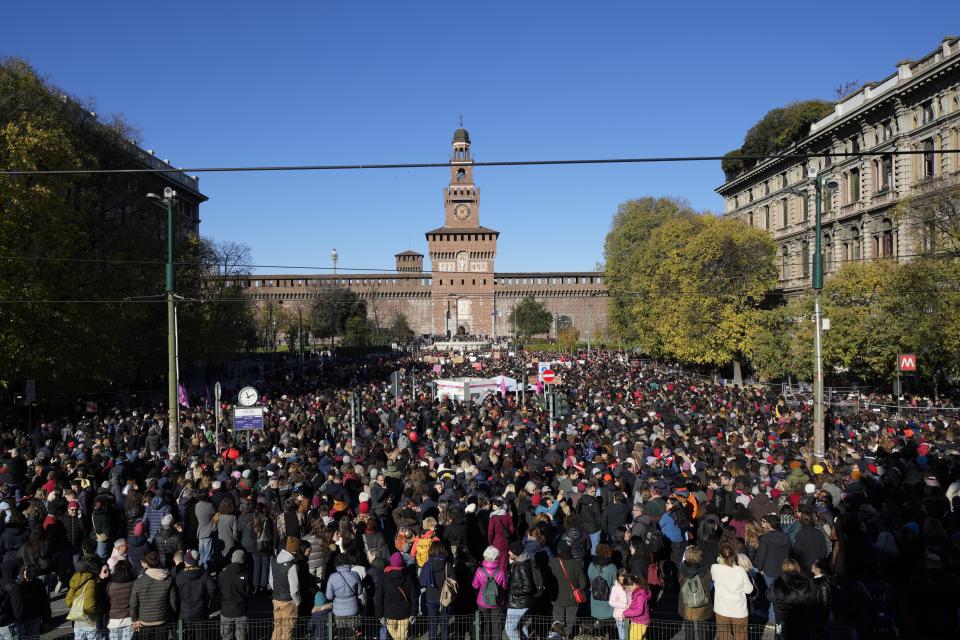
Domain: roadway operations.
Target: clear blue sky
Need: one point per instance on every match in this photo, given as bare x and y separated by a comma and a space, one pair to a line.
255, 83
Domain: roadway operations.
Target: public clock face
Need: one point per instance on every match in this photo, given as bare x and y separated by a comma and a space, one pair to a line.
247, 397
462, 212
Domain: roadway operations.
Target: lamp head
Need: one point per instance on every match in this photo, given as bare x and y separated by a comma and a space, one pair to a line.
831, 183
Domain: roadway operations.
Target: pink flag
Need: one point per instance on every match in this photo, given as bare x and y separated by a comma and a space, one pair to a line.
182, 396
539, 387
437, 368
503, 385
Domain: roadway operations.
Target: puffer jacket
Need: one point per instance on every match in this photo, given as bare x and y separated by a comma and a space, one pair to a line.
118, 593
154, 598
485, 570
168, 541
793, 598
525, 583
343, 590
154, 515
578, 540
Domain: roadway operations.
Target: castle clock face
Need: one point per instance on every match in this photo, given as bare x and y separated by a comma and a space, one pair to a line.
462, 212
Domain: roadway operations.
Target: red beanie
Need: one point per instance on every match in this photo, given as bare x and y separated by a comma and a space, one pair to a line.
535, 499
364, 507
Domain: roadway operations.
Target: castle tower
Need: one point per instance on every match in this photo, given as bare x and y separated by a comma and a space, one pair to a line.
462, 252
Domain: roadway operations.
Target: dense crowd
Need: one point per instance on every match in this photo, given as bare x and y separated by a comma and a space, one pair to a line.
660, 497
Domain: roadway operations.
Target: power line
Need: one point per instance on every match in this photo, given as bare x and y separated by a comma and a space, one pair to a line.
497, 163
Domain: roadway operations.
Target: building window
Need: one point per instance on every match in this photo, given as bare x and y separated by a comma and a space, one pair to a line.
853, 182
784, 264
783, 180
805, 258
928, 114
887, 130
929, 159
886, 238
886, 172
804, 207
827, 199
766, 217
854, 243
855, 145
828, 253
828, 160
784, 215
750, 217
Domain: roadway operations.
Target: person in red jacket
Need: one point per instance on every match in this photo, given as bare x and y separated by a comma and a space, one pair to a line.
500, 531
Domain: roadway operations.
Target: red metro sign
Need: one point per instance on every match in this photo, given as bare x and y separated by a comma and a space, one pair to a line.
907, 362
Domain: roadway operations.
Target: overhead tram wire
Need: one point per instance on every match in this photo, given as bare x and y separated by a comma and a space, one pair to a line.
495, 163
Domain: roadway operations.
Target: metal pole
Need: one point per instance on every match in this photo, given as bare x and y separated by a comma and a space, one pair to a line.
173, 444
898, 390
819, 436
300, 334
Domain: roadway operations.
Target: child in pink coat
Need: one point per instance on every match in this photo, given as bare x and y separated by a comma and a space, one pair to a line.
638, 613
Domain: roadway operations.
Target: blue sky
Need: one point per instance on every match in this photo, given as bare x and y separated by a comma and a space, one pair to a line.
254, 83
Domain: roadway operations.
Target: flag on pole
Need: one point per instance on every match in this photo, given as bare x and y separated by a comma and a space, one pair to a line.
503, 385
182, 399
206, 397
539, 387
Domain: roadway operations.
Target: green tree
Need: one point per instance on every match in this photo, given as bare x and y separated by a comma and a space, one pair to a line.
358, 331
690, 286
568, 338
400, 331
332, 308
632, 225
780, 343
530, 318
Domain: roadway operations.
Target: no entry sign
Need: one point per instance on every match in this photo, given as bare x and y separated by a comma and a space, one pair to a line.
907, 362
548, 376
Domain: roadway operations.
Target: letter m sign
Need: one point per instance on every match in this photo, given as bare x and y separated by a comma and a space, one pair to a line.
907, 362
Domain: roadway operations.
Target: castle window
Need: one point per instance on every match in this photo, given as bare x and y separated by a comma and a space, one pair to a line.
461, 174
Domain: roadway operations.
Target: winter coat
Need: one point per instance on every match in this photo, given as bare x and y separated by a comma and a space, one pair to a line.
154, 597
524, 588
136, 547
396, 597
432, 575
614, 516
499, 531
196, 590
485, 570
228, 533
154, 515
75, 528
793, 597
204, 511
639, 610
86, 584
589, 509
669, 529
774, 548
577, 580
168, 541
234, 590
343, 590
248, 537
687, 572
579, 542
619, 601
601, 609
118, 593
809, 546
731, 585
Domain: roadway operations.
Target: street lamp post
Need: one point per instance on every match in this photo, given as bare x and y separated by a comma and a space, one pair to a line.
173, 444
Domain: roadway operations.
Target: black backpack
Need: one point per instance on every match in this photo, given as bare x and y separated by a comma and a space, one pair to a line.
652, 540
599, 588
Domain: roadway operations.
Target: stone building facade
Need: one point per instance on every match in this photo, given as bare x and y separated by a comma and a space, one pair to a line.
462, 293
917, 109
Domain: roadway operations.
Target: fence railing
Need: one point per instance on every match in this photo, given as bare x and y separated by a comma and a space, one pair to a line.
488, 624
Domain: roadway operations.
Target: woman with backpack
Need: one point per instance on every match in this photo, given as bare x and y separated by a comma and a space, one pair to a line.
602, 574
694, 604
490, 581
433, 576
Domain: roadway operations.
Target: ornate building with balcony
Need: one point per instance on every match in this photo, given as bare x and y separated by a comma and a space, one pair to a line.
916, 109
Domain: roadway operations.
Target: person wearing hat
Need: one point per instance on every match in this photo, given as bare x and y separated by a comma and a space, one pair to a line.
490, 581
234, 585
168, 541
196, 591
396, 599
285, 583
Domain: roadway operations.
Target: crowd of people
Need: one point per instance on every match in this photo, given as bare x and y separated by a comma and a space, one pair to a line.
661, 499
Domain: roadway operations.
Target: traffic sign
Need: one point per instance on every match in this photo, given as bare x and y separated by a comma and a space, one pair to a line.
548, 376
907, 362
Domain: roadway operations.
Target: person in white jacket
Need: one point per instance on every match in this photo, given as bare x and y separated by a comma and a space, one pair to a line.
619, 600
731, 587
